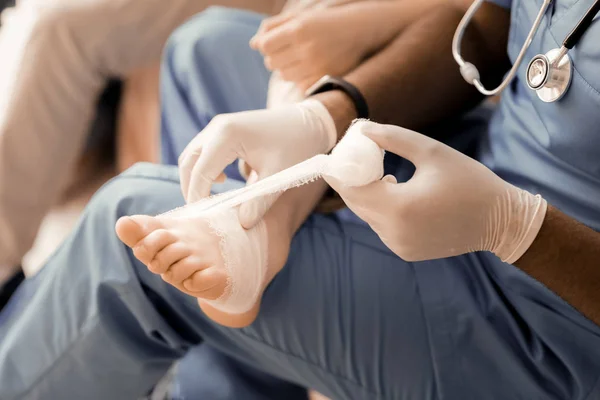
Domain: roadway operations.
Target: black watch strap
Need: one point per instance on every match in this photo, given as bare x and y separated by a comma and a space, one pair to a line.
328, 83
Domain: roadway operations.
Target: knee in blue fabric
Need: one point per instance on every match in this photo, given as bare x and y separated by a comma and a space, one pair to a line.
142, 189
209, 40
209, 69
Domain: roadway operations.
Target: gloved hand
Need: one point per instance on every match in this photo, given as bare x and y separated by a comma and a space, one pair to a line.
304, 46
267, 140
452, 205
280, 93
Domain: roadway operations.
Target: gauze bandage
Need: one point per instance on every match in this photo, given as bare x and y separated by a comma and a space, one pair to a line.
356, 161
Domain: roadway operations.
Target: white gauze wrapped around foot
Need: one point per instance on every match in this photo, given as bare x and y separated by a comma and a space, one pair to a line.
356, 161
244, 255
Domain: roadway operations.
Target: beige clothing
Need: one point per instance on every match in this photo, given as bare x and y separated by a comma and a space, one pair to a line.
55, 56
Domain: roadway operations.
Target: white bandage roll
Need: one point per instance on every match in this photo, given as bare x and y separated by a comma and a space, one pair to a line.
356, 160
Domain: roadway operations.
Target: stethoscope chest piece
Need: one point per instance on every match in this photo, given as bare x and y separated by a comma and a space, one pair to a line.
548, 76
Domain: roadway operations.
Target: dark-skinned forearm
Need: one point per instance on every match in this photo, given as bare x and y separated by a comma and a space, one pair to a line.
565, 256
414, 81
428, 88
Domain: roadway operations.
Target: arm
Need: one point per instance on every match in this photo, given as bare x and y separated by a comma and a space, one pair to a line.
430, 84
414, 82
302, 46
565, 256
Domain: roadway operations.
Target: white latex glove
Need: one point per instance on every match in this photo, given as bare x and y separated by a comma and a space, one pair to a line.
280, 93
452, 205
267, 140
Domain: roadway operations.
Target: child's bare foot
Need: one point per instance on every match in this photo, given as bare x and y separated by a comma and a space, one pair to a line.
186, 252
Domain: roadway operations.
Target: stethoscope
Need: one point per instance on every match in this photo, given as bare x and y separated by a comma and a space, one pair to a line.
548, 74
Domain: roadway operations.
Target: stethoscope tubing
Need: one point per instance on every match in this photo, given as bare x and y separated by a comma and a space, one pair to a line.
582, 26
460, 31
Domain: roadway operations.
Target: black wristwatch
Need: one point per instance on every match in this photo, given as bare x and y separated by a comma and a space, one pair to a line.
328, 83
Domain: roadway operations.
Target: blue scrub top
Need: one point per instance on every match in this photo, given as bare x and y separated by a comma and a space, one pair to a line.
551, 148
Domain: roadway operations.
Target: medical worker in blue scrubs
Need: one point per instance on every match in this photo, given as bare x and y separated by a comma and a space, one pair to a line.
346, 315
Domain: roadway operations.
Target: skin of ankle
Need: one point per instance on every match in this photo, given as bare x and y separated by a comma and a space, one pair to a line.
300, 202
278, 226
282, 221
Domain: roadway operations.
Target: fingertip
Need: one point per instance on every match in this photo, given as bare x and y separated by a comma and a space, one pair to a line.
373, 130
252, 177
404, 142
197, 193
333, 182
247, 215
258, 44
251, 212
378, 135
390, 179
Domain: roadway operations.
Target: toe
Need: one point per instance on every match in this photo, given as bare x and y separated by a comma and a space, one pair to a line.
209, 284
168, 256
133, 229
147, 248
183, 269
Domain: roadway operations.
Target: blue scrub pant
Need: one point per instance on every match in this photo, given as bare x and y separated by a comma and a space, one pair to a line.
345, 316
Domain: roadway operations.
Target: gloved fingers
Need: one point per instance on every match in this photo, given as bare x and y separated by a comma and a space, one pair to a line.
247, 172
252, 212
244, 169
364, 198
390, 179
187, 159
186, 164
406, 143
252, 177
193, 146
208, 167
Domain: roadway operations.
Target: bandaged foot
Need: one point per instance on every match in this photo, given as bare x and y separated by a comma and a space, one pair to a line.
200, 255
203, 250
